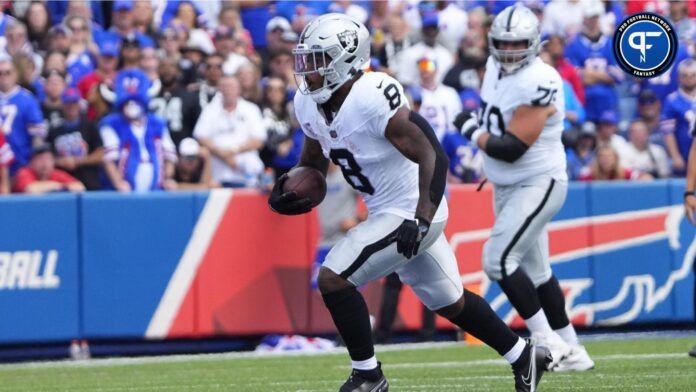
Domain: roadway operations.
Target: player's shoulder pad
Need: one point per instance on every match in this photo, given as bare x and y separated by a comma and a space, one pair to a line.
377, 94
539, 84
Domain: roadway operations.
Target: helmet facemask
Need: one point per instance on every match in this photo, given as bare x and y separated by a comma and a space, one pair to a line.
510, 60
316, 61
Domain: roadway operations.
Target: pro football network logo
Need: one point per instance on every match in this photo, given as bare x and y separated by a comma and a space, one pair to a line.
645, 45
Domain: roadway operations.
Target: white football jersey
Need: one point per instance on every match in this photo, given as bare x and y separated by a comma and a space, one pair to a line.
355, 141
439, 107
537, 84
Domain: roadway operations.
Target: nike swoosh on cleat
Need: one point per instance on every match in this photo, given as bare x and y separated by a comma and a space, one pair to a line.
380, 84
528, 380
381, 387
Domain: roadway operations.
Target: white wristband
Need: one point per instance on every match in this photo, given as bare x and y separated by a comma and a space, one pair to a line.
476, 135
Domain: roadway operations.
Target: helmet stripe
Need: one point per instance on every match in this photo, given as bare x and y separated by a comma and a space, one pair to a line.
510, 18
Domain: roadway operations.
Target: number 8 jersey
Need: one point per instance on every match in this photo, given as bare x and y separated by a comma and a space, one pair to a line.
537, 84
354, 140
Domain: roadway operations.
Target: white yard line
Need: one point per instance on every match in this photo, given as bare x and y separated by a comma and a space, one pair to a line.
126, 361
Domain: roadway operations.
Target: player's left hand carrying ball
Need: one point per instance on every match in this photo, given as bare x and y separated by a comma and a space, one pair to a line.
287, 203
466, 122
409, 235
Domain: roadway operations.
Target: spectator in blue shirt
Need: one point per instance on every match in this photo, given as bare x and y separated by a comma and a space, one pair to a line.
59, 9
139, 154
124, 26
591, 52
300, 12
20, 115
81, 57
678, 115
668, 82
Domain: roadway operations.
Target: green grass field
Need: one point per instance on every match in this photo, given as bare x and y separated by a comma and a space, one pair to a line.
625, 365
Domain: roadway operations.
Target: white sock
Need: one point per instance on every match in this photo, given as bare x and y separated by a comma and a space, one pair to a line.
367, 364
568, 335
538, 323
515, 352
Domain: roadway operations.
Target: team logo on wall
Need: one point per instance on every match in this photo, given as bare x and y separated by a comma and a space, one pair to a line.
349, 40
645, 45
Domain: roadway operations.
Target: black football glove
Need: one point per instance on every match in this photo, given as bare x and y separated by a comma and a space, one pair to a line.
287, 203
409, 236
466, 122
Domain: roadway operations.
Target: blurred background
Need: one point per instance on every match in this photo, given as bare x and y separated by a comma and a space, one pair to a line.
153, 129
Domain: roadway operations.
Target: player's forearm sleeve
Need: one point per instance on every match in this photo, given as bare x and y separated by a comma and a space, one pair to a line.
439, 180
507, 147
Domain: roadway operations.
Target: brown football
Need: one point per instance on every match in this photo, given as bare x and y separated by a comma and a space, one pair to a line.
306, 182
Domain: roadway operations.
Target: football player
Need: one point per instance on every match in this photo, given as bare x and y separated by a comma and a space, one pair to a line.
520, 134
362, 123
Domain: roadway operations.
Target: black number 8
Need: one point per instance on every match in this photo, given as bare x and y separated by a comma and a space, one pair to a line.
393, 96
352, 172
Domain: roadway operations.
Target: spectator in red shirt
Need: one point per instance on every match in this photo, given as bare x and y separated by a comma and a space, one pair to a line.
606, 166
6, 158
41, 176
556, 48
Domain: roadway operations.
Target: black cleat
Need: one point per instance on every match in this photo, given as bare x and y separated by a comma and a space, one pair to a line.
693, 352
366, 381
530, 368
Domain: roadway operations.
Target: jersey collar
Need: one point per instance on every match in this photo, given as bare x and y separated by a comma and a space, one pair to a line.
10, 94
687, 96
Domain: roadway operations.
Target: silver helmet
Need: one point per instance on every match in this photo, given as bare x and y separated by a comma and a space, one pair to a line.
516, 23
336, 47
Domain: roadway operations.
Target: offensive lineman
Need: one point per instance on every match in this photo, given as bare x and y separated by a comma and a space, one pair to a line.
390, 154
520, 133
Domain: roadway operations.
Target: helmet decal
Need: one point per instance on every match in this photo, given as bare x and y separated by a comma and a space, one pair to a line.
349, 40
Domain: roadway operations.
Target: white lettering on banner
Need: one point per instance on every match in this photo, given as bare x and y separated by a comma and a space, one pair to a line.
17, 276
22, 270
50, 279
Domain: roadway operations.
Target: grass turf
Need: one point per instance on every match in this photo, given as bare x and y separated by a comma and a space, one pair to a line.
622, 365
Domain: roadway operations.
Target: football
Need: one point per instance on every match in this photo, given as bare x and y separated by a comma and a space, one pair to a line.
306, 182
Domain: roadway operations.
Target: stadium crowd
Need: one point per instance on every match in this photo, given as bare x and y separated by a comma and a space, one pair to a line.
170, 94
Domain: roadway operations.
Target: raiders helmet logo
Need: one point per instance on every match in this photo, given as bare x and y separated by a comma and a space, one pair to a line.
349, 40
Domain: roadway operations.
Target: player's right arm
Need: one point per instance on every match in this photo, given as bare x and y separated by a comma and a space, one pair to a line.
312, 156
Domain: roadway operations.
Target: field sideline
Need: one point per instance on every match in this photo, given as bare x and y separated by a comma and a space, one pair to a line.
655, 364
